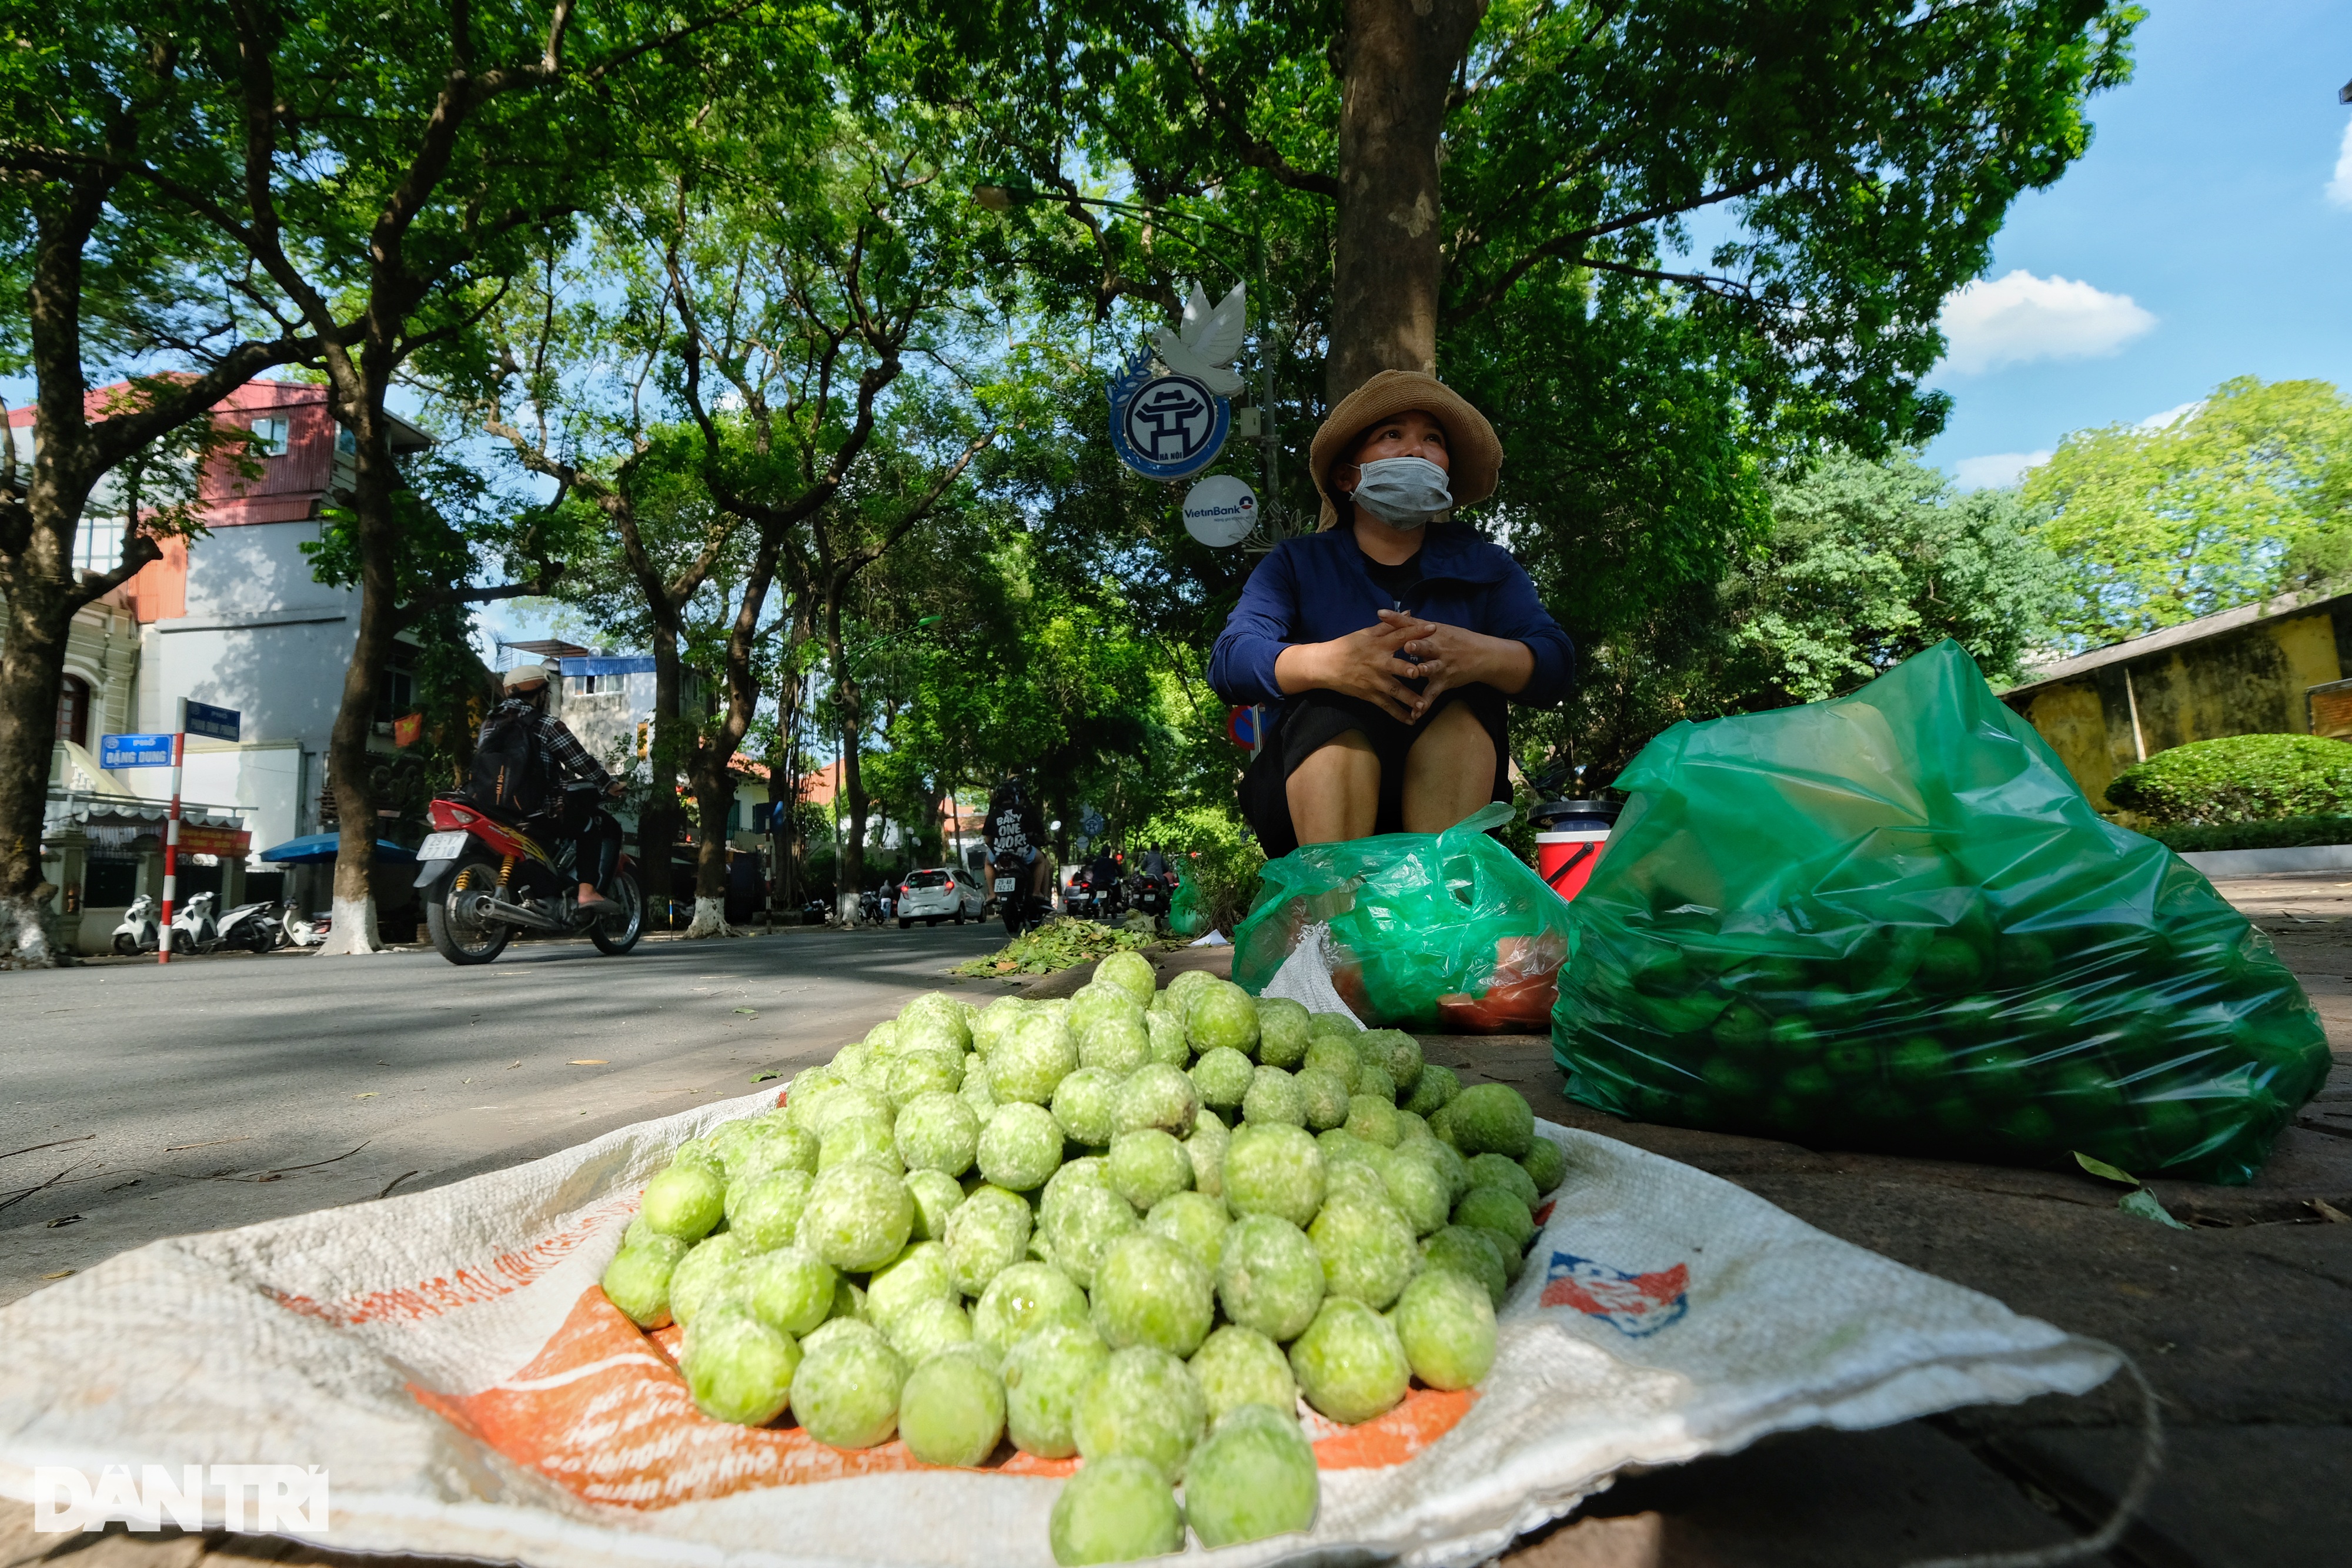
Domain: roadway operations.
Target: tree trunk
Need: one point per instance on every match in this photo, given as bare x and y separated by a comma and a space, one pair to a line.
374, 527
714, 777
31, 666
657, 823
1399, 63
853, 788
714, 803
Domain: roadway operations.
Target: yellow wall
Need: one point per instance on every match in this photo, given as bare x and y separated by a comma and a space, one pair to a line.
2249, 681
2067, 716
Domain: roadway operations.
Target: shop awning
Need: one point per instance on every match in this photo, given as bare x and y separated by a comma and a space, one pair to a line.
318, 849
131, 811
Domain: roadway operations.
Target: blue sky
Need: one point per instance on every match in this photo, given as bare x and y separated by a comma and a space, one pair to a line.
2199, 239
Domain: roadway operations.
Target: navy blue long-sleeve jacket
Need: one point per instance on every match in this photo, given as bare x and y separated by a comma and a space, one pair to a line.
1314, 588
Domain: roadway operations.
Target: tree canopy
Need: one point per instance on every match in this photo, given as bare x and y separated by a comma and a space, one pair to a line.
2247, 491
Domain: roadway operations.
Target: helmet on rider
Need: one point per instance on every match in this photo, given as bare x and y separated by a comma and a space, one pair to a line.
527, 683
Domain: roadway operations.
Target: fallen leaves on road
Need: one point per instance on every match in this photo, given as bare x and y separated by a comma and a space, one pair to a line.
174, 1148
2143, 1204
753, 1012
765, 1076
1057, 944
59, 1275
63, 1219
587, 1061
369, 1096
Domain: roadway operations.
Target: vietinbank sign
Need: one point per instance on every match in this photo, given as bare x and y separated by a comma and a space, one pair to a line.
1220, 511
262, 1497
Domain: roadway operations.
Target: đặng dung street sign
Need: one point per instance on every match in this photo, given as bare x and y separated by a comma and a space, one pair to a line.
134, 751
214, 723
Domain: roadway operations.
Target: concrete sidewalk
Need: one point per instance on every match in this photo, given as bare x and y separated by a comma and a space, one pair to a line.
2242, 1324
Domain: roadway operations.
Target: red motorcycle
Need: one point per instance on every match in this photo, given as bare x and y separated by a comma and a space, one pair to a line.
482, 880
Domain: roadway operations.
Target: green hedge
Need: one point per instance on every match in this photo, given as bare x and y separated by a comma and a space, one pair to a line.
2286, 833
2240, 779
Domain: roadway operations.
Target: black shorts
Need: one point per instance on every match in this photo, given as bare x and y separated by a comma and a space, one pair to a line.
1306, 723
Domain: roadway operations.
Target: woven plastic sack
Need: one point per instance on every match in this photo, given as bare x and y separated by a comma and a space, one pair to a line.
1185, 916
1892, 920
1445, 931
449, 1362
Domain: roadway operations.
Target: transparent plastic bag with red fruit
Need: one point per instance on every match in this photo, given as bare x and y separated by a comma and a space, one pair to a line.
1438, 932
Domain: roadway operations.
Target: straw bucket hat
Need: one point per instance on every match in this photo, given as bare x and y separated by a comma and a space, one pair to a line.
1476, 456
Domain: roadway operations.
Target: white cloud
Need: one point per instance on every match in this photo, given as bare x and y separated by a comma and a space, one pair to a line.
2169, 416
1997, 471
2011, 320
2339, 189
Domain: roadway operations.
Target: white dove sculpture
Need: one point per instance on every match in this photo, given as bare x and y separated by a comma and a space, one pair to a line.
1210, 339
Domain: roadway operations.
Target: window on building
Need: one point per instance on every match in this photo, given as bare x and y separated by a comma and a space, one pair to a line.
98, 546
274, 432
73, 710
395, 694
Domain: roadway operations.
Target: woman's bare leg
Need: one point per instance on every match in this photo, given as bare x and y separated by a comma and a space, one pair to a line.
1448, 774
1335, 794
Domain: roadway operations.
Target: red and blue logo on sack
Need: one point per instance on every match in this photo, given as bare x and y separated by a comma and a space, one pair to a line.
1635, 1304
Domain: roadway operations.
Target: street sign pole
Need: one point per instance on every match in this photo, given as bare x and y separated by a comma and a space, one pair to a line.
172, 837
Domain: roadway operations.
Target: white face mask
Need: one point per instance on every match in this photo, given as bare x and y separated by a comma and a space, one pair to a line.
1404, 492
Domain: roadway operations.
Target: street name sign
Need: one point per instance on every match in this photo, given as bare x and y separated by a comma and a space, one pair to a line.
214, 723
134, 751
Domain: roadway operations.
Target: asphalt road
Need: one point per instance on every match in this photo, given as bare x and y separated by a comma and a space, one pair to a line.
223, 1090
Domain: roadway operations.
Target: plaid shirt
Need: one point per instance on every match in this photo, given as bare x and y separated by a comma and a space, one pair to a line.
569, 759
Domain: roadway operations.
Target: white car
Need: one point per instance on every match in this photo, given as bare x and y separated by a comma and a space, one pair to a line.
941, 893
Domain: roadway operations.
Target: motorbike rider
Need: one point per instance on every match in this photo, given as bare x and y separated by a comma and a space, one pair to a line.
1103, 877
1154, 863
597, 837
1016, 837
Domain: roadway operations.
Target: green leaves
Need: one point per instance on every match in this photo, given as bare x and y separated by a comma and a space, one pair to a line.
2244, 493
1869, 563
2105, 1171
2240, 779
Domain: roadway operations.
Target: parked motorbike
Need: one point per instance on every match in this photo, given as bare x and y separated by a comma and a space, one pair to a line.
305, 931
255, 927
869, 908
193, 927
817, 912
482, 880
138, 933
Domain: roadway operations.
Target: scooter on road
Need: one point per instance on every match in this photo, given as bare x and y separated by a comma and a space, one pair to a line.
482, 880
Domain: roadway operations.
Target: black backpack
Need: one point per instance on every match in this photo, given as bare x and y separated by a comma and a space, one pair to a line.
510, 773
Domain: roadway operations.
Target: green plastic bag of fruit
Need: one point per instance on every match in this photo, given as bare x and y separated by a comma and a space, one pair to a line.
1892, 920
1435, 931
1185, 916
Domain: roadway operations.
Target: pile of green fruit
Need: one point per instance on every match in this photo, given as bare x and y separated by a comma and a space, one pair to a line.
1134, 1225
1974, 1025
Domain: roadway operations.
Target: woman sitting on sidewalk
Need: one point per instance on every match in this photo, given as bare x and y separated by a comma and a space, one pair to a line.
1392, 637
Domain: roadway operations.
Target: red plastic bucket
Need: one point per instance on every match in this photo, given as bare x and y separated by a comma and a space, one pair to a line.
1565, 860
